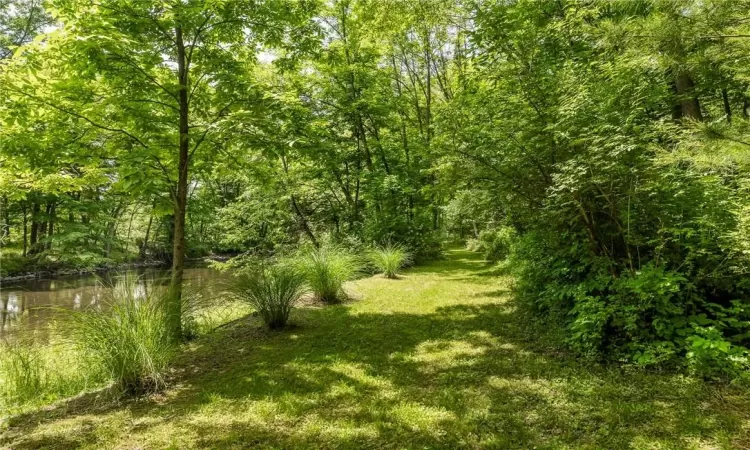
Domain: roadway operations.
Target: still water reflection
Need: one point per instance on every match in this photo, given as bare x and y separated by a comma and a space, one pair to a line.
28, 307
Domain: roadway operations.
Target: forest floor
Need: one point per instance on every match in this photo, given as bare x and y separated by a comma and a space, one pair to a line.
436, 359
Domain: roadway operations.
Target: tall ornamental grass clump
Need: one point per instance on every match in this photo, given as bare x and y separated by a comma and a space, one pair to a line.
326, 269
389, 259
272, 292
127, 337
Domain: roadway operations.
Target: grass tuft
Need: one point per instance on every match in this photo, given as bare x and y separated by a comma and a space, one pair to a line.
326, 269
127, 337
272, 291
23, 372
389, 259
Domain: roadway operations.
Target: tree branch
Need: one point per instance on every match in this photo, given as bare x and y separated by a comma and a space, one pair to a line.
80, 116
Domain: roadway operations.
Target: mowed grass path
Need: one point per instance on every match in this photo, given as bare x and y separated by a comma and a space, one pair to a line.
436, 359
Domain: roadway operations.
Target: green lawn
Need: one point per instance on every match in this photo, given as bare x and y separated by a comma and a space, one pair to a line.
436, 359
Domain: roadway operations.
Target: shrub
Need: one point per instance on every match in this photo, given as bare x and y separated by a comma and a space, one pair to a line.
127, 337
416, 234
711, 356
656, 315
389, 259
473, 245
326, 269
494, 244
273, 292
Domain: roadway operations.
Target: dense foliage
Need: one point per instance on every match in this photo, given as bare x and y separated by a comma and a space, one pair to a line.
600, 147
610, 133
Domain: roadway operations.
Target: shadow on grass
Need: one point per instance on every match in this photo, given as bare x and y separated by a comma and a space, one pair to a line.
464, 376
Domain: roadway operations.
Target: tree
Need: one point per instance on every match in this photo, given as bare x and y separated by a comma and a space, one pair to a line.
162, 80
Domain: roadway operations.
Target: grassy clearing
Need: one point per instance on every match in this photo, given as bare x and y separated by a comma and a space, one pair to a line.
436, 359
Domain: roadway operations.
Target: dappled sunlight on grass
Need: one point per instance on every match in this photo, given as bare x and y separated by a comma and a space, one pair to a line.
430, 360
435, 356
423, 418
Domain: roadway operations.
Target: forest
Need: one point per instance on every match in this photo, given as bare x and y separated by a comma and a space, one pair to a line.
443, 187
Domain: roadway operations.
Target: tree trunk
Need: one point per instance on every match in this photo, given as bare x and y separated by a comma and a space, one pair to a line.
303, 221
727, 108
5, 225
404, 137
35, 209
4, 313
145, 240
676, 108
42, 229
25, 232
180, 196
428, 87
52, 207
130, 228
689, 104
111, 230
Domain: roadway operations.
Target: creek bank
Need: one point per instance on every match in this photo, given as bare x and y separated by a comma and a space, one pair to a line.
67, 271
51, 273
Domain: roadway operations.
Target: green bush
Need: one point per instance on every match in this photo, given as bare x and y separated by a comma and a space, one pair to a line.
676, 314
126, 337
495, 245
389, 259
12, 263
417, 235
472, 245
326, 269
272, 291
711, 356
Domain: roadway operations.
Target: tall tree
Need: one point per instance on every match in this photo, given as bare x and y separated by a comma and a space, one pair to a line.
162, 79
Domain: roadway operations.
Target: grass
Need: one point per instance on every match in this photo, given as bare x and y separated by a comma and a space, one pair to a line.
436, 359
272, 292
326, 269
389, 259
109, 350
128, 339
34, 374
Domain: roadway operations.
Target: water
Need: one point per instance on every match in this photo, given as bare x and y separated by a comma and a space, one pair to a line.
28, 307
